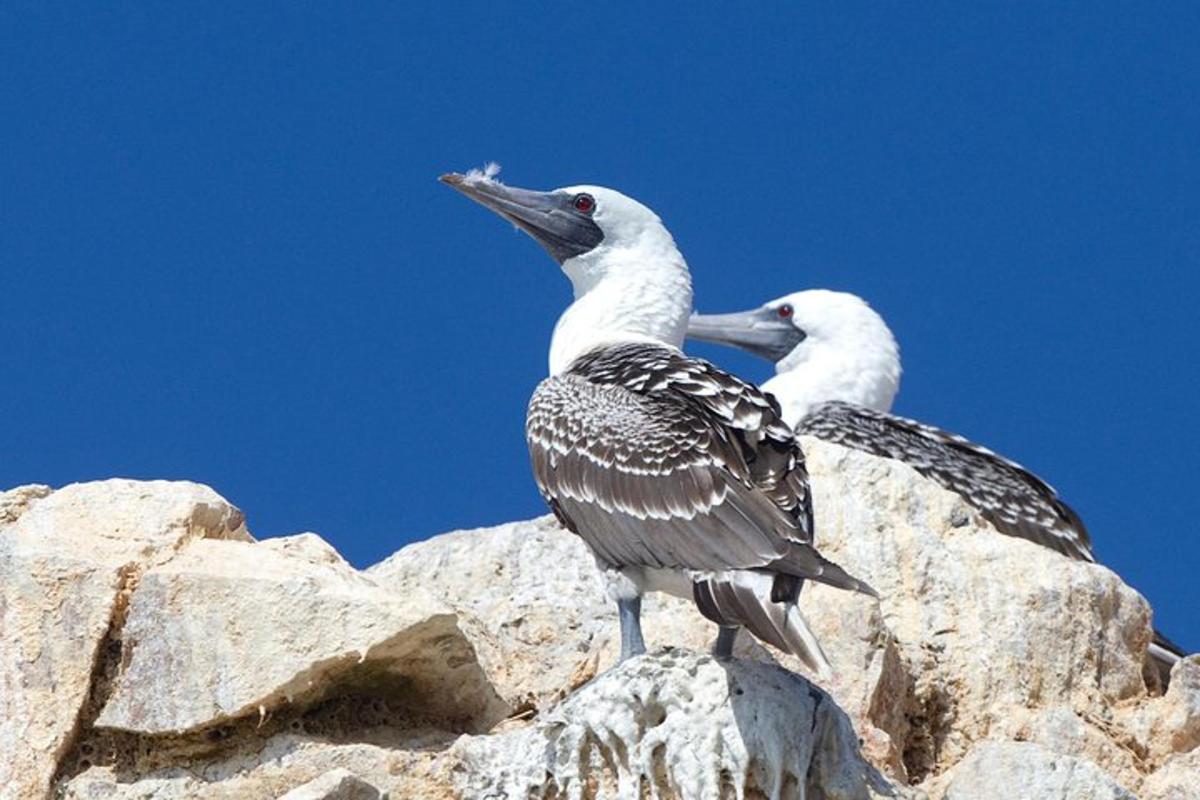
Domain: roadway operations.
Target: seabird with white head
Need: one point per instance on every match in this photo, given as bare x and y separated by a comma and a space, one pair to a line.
680, 477
837, 371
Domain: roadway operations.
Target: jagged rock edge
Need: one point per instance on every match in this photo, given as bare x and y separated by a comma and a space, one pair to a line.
334, 690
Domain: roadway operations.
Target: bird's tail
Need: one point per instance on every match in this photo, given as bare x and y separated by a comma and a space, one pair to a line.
1165, 654
743, 598
803, 561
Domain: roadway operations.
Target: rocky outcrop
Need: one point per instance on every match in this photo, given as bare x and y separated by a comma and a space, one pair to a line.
150, 648
681, 725
69, 561
1024, 769
230, 629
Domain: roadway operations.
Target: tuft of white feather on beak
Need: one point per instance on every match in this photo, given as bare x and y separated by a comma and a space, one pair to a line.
486, 175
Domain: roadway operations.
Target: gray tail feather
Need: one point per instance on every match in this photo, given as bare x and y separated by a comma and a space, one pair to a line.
743, 598
1165, 654
804, 561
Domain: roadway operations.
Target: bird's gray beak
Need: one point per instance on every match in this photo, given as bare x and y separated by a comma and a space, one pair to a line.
761, 332
548, 217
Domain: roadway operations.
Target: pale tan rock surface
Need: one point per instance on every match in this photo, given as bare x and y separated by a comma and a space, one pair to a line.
1178, 779
988, 625
558, 626
150, 649
229, 629
412, 766
971, 634
67, 562
1169, 724
534, 584
1026, 770
337, 784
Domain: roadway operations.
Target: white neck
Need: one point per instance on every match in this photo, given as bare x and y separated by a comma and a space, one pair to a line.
641, 293
862, 369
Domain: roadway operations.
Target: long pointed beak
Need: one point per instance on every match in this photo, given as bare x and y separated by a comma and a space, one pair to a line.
760, 332
546, 216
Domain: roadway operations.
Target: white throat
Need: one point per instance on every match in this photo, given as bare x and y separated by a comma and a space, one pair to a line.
640, 292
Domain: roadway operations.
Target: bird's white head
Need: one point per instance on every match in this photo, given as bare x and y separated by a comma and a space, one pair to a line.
825, 345
631, 282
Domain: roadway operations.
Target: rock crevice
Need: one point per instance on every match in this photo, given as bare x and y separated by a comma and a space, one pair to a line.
77, 753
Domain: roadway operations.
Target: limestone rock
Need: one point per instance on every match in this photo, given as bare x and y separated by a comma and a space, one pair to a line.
672, 722
68, 560
1169, 724
1083, 734
970, 634
679, 725
337, 784
1178, 779
14, 502
410, 766
150, 649
534, 584
556, 627
987, 624
1023, 769
229, 629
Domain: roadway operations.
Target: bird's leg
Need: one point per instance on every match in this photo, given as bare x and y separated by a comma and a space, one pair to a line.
723, 647
629, 610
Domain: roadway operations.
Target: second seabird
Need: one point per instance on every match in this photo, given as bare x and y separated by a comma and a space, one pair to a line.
680, 477
837, 371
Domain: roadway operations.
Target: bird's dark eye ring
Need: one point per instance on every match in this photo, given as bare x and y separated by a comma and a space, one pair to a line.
584, 203
785, 311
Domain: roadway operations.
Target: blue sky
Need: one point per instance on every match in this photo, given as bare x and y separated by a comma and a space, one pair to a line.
225, 257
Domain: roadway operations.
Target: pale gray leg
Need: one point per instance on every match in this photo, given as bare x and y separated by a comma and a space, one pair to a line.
629, 610
726, 636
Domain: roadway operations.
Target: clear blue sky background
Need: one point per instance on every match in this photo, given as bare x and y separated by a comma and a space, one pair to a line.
224, 255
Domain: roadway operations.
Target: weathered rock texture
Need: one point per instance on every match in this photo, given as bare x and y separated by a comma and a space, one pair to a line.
1023, 769
69, 561
150, 648
684, 725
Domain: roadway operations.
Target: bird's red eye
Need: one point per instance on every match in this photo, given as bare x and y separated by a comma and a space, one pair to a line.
584, 203
785, 312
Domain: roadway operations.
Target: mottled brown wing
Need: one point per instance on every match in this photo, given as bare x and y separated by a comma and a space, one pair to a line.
649, 478
771, 459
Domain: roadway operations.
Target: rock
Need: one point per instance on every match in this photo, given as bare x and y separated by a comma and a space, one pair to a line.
150, 649
68, 561
677, 724
1179, 709
337, 784
1083, 735
988, 625
1023, 769
1178, 779
231, 629
14, 502
970, 635
544, 599
556, 627
415, 766
1169, 724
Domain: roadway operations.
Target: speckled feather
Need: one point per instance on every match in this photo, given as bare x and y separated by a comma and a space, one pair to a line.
1015, 501
661, 460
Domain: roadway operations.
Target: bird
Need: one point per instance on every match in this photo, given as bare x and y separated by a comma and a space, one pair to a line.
679, 476
837, 368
